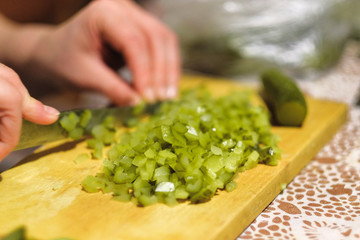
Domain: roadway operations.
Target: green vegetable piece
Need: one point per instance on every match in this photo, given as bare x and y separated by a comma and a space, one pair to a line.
210, 173
125, 161
103, 132
181, 193
180, 128
231, 163
170, 200
109, 137
98, 149
124, 177
166, 134
228, 143
214, 163
204, 139
150, 168
231, 186
285, 98
97, 145
113, 153
69, 122
110, 165
160, 160
225, 177
150, 153
147, 171
92, 184
139, 160
76, 133
147, 200
98, 131
167, 154
165, 187
17, 234
203, 195
81, 158
92, 143
134, 200
215, 150
271, 162
140, 183
85, 118
109, 187
252, 160
191, 134
194, 184
162, 174
132, 122
179, 139
254, 156
109, 122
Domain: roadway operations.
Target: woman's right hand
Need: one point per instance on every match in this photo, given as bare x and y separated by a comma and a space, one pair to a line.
15, 104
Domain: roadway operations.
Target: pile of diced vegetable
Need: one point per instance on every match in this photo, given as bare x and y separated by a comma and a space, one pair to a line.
187, 150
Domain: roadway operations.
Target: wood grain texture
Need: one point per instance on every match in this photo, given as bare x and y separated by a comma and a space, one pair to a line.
44, 194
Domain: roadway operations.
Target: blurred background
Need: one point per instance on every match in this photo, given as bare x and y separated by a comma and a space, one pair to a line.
234, 37
242, 37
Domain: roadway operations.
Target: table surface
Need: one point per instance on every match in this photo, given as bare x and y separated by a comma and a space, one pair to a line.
323, 201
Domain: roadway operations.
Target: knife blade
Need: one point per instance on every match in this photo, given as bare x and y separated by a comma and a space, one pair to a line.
34, 134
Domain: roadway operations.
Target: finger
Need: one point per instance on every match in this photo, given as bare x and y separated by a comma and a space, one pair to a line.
158, 65
35, 111
10, 117
125, 37
105, 80
156, 43
166, 63
32, 109
165, 57
173, 67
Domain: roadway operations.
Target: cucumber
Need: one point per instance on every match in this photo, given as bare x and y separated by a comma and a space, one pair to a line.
17, 234
285, 99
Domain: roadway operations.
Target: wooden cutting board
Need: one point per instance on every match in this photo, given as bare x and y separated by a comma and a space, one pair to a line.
44, 193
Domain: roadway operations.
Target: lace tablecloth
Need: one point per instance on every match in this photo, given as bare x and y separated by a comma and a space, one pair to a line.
323, 201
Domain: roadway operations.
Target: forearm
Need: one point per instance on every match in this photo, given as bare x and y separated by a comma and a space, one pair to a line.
18, 42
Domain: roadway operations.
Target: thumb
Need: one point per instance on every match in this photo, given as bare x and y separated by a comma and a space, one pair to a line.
35, 111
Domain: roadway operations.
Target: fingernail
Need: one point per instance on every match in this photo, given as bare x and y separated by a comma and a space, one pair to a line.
51, 110
171, 92
136, 100
149, 94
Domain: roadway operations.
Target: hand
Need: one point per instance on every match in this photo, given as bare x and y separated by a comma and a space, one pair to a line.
79, 49
15, 104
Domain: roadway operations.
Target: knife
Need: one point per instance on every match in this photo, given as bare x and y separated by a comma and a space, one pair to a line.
34, 134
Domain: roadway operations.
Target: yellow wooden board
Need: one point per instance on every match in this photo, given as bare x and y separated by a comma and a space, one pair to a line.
44, 193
